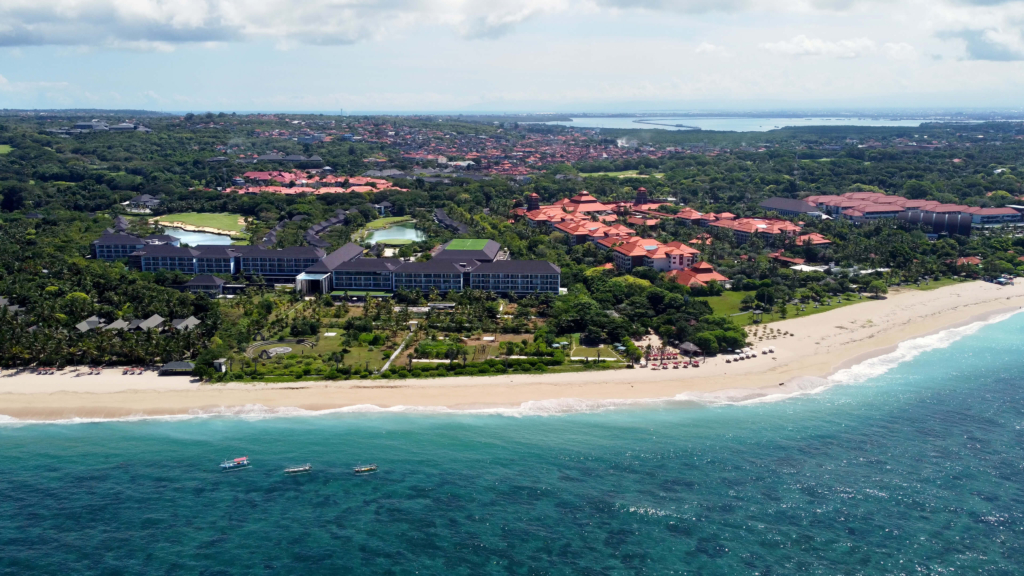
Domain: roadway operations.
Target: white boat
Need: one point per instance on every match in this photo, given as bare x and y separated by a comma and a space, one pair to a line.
367, 469
235, 464
299, 469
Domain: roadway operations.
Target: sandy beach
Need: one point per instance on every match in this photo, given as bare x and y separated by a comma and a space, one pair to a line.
819, 346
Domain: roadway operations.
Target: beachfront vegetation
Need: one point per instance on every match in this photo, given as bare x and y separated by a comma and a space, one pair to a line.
51, 186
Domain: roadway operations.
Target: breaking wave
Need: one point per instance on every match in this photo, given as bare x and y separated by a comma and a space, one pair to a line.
802, 386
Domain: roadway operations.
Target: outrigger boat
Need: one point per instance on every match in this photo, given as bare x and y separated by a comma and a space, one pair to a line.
369, 469
235, 464
299, 469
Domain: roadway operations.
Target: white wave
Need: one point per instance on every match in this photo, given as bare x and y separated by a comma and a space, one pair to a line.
908, 350
802, 386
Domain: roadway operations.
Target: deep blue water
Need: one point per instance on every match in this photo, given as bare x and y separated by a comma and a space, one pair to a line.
916, 471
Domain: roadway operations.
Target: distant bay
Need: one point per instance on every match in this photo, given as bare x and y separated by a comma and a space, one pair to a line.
731, 124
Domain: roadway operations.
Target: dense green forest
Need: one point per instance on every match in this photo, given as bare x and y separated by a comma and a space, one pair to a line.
58, 192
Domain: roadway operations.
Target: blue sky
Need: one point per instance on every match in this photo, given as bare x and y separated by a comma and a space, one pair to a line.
510, 55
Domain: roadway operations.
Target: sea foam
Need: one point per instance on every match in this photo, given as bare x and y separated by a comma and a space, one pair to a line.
802, 386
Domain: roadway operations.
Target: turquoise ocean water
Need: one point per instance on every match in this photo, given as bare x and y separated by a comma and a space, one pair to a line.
915, 465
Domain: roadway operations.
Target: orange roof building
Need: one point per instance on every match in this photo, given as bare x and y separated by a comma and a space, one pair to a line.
637, 252
697, 276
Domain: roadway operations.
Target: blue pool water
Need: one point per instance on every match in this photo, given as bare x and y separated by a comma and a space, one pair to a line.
913, 468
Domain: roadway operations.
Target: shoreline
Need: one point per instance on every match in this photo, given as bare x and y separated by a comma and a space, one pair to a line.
821, 346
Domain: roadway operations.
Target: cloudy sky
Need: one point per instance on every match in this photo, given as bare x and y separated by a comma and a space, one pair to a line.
510, 55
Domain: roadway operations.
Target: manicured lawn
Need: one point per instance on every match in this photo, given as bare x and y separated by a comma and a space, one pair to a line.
221, 221
467, 244
385, 222
728, 304
935, 284
5, 149
606, 353
361, 356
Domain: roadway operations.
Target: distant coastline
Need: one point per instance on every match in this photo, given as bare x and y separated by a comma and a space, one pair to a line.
821, 346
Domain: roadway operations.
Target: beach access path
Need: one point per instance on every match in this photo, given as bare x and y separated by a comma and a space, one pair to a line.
820, 345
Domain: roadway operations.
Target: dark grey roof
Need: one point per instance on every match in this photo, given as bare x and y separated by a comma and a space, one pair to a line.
153, 321
215, 251
517, 267
346, 253
116, 325
788, 205
167, 250
205, 280
289, 252
366, 265
487, 254
436, 266
186, 323
89, 324
443, 219
177, 367
119, 239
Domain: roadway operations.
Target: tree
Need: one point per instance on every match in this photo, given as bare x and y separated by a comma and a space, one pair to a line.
878, 288
707, 343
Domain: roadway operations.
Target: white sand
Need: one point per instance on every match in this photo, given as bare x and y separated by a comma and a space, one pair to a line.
822, 344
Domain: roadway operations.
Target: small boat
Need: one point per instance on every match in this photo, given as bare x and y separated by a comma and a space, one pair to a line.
235, 464
299, 469
368, 469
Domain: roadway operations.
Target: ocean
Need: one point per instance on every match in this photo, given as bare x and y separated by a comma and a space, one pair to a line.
908, 463
728, 124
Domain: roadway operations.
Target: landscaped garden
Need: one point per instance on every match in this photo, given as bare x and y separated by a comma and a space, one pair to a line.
220, 221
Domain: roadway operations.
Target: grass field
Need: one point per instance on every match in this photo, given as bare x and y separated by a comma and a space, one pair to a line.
467, 244
624, 174
605, 352
220, 221
934, 285
385, 222
5, 149
728, 304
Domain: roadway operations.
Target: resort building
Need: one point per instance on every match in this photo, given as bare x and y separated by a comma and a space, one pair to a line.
516, 277
116, 246
206, 284
164, 257
637, 252
863, 207
457, 266
697, 276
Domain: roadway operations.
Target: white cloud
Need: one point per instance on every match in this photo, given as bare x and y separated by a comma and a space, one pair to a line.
804, 46
8, 86
900, 51
708, 48
148, 25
